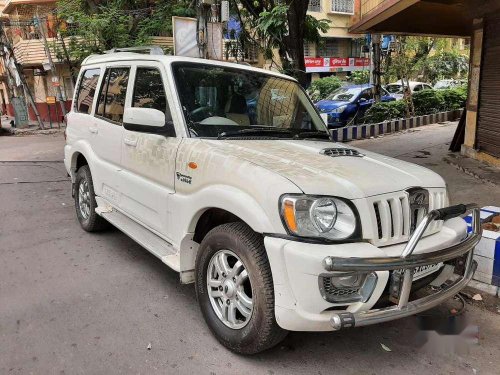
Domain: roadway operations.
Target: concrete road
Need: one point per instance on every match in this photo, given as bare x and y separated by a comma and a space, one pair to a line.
78, 303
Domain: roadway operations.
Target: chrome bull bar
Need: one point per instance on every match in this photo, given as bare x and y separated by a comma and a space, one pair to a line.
408, 261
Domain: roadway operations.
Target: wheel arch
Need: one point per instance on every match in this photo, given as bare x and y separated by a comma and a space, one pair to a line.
205, 219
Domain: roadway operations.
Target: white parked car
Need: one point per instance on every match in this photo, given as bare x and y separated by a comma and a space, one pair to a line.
228, 175
448, 84
396, 88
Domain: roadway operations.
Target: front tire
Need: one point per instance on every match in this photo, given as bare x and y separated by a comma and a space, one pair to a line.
235, 290
85, 202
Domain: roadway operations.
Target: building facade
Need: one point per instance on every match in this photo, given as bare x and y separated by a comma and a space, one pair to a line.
479, 21
339, 52
30, 28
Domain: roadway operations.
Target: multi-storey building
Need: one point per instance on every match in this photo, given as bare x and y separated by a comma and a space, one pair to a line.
339, 51
26, 23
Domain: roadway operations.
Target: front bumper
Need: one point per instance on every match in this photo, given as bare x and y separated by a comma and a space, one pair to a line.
296, 267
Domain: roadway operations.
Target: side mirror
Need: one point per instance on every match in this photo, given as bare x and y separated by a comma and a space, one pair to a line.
362, 100
147, 120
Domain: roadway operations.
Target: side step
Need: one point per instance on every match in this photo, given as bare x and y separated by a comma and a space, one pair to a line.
143, 236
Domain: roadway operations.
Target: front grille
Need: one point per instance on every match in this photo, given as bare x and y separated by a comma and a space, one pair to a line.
391, 216
335, 152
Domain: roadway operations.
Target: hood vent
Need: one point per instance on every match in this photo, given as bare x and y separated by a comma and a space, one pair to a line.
334, 152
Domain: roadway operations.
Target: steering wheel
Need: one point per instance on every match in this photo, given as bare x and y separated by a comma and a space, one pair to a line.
200, 113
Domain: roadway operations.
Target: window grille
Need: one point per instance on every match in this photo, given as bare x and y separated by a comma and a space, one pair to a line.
314, 6
343, 6
330, 48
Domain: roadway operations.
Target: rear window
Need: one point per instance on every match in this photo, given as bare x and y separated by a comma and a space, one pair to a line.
86, 90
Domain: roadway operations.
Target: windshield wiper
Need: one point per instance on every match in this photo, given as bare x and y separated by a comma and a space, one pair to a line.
313, 135
274, 133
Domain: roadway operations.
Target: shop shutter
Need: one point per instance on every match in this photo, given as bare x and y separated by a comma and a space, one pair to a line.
488, 126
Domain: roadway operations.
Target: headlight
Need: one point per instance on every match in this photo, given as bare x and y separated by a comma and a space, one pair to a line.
339, 109
313, 216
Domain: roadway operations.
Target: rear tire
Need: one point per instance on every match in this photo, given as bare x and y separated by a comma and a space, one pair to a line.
247, 330
85, 202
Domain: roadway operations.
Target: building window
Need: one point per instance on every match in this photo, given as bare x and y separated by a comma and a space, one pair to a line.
314, 6
330, 48
308, 49
343, 6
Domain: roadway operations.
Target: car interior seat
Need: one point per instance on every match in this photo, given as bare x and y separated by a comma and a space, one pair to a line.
236, 110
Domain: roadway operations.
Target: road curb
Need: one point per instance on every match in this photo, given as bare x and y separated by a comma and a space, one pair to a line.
364, 131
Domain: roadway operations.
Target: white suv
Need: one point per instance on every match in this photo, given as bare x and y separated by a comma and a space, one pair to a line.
228, 175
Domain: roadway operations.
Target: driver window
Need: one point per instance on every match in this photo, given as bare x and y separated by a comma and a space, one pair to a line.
366, 94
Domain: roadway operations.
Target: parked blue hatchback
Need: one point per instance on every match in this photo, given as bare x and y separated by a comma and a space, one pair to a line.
348, 103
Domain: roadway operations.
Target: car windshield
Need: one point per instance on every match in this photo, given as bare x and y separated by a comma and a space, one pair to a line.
345, 94
230, 102
394, 89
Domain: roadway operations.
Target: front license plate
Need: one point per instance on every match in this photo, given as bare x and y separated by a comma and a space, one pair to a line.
426, 270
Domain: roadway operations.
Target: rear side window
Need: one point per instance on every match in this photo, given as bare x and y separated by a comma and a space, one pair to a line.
149, 91
86, 90
111, 103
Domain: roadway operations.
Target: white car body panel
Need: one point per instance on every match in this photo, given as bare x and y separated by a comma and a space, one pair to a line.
149, 178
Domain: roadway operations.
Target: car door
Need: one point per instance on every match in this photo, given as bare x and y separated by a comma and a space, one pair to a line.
386, 97
365, 101
149, 158
109, 127
84, 125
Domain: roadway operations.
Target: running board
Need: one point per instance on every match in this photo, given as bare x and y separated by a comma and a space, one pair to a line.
143, 236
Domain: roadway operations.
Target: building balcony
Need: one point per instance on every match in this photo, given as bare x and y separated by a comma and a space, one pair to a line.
31, 52
9, 5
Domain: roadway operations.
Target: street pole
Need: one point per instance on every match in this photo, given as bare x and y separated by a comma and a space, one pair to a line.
376, 66
19, 71
52, 65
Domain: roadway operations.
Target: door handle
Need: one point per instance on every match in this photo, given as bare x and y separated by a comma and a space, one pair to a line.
130, 142
93, 130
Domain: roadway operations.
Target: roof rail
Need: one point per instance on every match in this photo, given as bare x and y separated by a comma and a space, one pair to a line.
152, 50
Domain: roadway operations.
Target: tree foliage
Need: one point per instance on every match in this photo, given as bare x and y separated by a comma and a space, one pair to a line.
444, 65
426, 102
384, 111
94, 27
321, 88
360, 77
284, 26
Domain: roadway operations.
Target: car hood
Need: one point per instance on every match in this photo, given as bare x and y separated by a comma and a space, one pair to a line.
301, 162
330, 105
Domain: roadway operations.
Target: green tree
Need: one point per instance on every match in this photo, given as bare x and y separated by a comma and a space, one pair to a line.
445, 65
285, 26
93, 27
360, 76
323, 87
